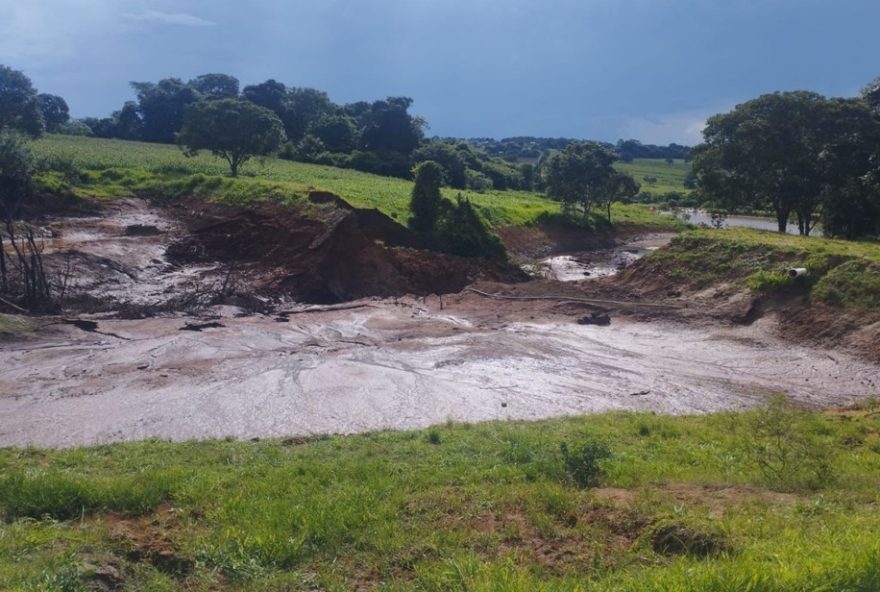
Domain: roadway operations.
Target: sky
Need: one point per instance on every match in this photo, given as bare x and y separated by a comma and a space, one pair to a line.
653, 70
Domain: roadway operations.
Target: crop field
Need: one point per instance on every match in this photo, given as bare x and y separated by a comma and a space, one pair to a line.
670, 177
118, 168
681, 503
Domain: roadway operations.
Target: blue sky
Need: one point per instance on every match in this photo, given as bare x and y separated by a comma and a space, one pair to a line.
599, 69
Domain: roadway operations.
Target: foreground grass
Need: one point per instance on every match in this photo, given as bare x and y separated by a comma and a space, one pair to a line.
843, 273
93, 167
457, 507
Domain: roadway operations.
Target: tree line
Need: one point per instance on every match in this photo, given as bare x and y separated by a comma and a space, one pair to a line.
530, 148
798, 155
380, 137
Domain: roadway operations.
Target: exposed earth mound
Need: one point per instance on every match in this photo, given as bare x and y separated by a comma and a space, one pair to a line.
333, 254
135, 258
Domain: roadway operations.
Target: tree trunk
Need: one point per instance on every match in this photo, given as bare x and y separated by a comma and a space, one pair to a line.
782, 220
4, 284
233, 165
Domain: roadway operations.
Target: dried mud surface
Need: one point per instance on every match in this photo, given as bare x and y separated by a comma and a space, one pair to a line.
389, 364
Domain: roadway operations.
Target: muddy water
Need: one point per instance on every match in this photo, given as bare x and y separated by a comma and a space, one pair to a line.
586, 265
97, 256
386, 366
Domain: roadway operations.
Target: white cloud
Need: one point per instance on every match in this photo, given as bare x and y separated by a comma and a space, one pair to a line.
39, 29
34, 32
682, 127
170, 18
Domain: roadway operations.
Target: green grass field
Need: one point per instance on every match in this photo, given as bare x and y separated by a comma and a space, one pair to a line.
670, 177
117, 168
457, 507
840, 272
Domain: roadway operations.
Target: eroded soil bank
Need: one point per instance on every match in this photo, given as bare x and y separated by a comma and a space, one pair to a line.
389, 364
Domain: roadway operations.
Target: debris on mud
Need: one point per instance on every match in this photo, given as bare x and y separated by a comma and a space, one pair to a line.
142, 230
89, 326
201, 326
595, 318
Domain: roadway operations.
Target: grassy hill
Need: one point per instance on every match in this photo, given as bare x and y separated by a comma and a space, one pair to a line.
682, 504
670, 177
118, 168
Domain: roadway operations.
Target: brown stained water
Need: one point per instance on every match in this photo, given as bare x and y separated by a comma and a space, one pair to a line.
600, 263
387, 365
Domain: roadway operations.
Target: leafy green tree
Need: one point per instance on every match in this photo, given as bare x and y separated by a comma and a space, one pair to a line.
336, 132
793, 153
104, 127
849, 164
424, 204
762, 155
308, 149
460, 230
19, 106
127, 122
270, 94
303, 109
389, 127
527, 170
297, 108
54, 110
161, 107
620, 187
580, 175
448, 157
75, 127
215, 86
16, 169
871, 95
233, 129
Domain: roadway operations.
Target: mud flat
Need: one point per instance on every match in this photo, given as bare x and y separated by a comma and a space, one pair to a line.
387, 364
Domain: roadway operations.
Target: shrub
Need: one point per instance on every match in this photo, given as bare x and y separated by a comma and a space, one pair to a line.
424, 204
461, 231
769, 281
16, 169
584, 463
785, 446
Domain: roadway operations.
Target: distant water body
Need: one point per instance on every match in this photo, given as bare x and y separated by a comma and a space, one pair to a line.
698, 217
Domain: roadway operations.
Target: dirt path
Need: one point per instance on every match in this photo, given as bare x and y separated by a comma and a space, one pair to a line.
389, 364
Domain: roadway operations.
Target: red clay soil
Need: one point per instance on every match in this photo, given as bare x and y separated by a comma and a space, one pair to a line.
336, 254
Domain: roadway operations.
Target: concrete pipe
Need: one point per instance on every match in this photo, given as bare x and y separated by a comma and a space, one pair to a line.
796, 272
